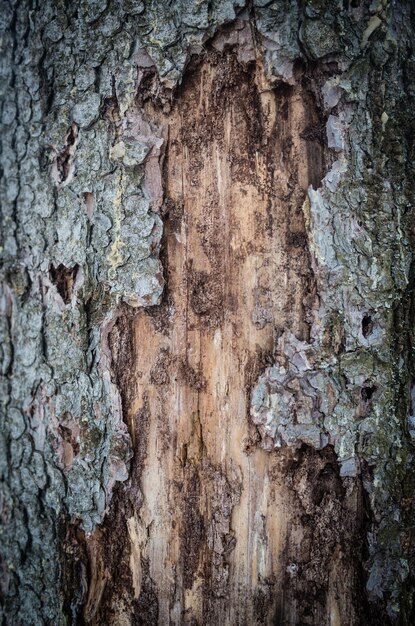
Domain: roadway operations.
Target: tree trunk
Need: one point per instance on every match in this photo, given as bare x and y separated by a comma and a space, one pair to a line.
207, 312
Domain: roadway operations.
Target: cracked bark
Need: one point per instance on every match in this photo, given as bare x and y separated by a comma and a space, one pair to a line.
207, 313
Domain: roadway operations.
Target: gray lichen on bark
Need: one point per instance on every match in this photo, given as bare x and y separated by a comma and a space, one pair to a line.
81, 199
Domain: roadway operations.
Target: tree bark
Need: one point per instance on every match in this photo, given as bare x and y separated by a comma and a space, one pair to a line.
207, 312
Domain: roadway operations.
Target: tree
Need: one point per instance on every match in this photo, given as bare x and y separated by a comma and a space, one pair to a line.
207, 312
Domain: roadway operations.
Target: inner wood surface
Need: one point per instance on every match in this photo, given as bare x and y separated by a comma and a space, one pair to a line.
212, 521
211, 529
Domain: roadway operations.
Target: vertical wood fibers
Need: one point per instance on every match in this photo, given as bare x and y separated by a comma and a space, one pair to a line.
214, 534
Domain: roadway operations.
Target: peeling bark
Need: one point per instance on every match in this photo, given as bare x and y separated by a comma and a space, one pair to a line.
207, 312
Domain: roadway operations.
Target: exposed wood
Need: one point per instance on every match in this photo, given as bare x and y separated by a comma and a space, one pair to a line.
219, 526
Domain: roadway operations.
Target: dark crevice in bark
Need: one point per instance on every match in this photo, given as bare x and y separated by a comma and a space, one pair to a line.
63, 166
64, 278
74, 571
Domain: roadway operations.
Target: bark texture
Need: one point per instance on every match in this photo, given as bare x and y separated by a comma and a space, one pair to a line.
207, 396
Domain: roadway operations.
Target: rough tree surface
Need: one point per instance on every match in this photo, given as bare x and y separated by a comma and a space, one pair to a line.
207, 372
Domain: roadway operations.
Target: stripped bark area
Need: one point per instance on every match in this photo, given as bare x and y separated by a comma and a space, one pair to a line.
217, 530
